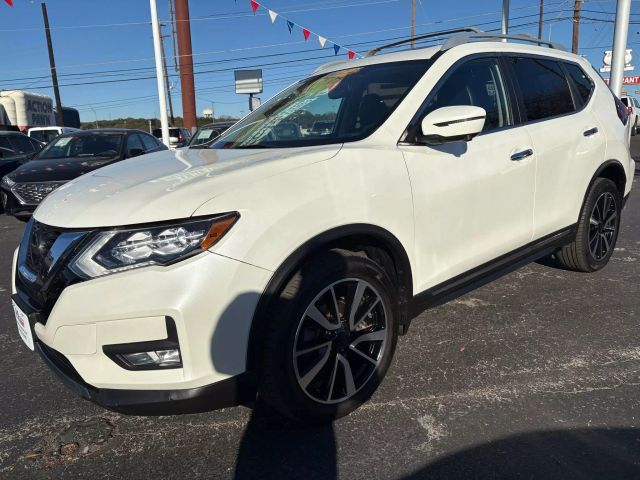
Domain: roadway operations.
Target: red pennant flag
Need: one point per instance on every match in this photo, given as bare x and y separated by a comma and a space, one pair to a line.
254, 5
9, 2
306, 33
352, 55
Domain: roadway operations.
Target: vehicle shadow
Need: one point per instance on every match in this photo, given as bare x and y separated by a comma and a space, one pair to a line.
273, 447
595, 453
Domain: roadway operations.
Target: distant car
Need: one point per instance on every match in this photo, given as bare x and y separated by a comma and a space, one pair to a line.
634, 110
65, 158
15, 149
321, 128
207, 133
46, 134
178, 136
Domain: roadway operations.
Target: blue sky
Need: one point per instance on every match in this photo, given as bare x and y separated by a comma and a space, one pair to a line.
110, 41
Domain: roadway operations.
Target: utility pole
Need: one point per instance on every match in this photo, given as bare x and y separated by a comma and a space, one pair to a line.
540, 19
166, 74
623, 10
413, 22
576, 26
505, 18
157, 47
52, 64
186, 64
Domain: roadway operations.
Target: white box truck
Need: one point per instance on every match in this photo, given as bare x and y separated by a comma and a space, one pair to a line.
25, 109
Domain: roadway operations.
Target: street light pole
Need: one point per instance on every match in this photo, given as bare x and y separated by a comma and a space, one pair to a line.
619, 45
162, 101
505, 18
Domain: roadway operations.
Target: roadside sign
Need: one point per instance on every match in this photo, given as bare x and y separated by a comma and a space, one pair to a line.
634, 80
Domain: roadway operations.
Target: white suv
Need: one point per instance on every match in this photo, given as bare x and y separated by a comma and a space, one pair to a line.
284, 261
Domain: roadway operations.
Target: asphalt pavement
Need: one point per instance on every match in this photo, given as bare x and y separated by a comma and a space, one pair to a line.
536, 375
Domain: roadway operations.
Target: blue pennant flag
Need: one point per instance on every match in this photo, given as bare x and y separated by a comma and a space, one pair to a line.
290, 25
336, 48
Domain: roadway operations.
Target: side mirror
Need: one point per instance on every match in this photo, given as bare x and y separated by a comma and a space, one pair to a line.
135, 152
449, 124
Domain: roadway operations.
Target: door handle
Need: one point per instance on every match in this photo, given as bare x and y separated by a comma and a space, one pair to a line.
516, 157
591, 131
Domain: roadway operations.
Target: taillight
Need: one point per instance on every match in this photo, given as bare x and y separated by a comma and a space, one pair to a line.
630, 109
622, 109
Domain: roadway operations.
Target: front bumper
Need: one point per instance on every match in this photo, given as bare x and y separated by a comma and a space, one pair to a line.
225, 393
211, 300
12, 206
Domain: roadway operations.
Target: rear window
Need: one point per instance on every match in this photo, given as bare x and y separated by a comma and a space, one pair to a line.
544, 88
583, 83
625, 101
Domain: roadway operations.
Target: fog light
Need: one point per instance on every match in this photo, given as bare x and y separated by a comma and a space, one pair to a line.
151, 355
157, 358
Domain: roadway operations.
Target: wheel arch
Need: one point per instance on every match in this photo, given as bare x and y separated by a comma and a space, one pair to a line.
614, 171
376, 242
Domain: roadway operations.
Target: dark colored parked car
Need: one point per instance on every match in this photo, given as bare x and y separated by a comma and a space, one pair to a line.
178, 136
15, 149
207, 133
67, 157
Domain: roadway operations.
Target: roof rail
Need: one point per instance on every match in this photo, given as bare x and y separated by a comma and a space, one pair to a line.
468, 30
523, 37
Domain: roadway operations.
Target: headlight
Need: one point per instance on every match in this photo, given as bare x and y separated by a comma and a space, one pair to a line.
119, 250
7, 181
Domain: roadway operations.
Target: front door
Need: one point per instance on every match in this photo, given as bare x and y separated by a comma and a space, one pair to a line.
473, 201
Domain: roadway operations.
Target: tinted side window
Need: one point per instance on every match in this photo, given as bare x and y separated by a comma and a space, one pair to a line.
21, 144
478, 83
149, 142
584, 85
133, 141
544, 88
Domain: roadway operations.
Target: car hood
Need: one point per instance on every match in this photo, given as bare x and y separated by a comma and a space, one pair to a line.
56, 169
166, 185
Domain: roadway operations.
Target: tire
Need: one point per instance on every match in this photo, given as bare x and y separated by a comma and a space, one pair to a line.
596, 233
311, 384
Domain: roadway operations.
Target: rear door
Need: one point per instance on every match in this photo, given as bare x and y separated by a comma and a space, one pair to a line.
473, 201
554, 100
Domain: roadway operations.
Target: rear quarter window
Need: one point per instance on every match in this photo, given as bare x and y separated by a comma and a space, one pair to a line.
584, 84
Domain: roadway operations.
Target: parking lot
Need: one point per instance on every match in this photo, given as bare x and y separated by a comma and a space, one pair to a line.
534, 376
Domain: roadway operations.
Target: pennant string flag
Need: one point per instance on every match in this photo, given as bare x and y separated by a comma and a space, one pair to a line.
290, 25
9, 2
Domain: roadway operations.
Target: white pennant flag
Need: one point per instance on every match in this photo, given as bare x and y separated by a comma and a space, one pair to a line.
322, 41
273, 15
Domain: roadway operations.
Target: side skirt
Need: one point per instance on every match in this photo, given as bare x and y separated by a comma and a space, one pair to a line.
489, 271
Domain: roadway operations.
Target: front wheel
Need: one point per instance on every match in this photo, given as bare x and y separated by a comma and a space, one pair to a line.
331, 339
597, 230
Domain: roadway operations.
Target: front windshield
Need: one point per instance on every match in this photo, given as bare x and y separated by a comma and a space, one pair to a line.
87, 146
336, 107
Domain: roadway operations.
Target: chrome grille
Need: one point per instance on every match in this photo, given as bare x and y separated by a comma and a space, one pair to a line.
33, 193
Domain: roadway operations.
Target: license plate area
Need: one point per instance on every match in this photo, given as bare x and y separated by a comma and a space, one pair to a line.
26, 318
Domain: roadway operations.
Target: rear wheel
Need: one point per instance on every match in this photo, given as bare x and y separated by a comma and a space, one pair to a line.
597, 230
331, 339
